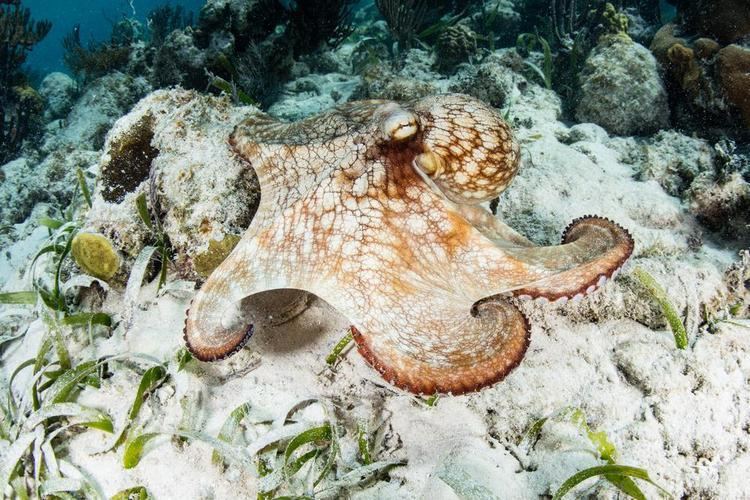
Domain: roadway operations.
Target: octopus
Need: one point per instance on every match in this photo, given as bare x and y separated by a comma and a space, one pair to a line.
376, 208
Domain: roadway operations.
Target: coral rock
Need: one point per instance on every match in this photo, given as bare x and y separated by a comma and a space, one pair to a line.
58, 91
672, 159
416, 79
705, 48
621, 89
696, 94
683, 64
490, 82
245, 20
664, 39
722, 206
104, 101
179, 62
198, 190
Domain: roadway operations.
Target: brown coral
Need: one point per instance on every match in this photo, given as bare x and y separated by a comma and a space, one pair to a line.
664, 39
705, 48
684, 66
704, 79
733, 64
455, 45
723, 20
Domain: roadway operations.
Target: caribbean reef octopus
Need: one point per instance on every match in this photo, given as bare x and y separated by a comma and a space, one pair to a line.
374, 207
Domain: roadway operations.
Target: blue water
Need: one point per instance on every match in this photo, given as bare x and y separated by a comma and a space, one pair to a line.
96, 18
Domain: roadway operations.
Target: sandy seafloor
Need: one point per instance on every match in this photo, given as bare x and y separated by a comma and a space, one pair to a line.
683, 415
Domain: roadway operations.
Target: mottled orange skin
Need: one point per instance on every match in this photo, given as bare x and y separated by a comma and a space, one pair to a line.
373, 207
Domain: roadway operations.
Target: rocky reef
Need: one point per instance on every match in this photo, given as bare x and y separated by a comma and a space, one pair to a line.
706, 63
201, 202
47, 174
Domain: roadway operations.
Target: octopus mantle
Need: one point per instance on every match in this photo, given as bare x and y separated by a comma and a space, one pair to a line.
374, 207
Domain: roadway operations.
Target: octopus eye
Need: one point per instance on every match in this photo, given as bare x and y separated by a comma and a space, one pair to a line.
400, 125
429, 163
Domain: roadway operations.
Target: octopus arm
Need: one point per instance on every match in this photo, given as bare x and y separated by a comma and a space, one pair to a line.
492, 228
263, 130
433, 343
217, 324
593, 250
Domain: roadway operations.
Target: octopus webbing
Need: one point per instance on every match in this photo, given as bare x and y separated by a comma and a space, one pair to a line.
374, 207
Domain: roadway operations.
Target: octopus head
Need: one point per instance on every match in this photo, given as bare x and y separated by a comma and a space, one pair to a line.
468, 150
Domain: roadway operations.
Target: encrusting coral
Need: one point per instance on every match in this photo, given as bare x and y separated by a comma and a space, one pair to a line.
217, 251
373, 208
733, 64
456, 44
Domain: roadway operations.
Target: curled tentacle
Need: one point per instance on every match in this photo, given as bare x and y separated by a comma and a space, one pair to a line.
454, 351
217, 323
207, 333
593, 250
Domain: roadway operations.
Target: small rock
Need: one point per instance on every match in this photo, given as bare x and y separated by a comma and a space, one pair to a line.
58, 91
587, 132
722, 206
490, 82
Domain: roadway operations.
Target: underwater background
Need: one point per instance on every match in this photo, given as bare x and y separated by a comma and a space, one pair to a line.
95, 19
130, 132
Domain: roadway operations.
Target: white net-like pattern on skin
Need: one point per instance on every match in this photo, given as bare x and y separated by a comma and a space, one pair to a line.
373, 208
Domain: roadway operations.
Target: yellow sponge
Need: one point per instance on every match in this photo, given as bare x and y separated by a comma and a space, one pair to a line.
95, 255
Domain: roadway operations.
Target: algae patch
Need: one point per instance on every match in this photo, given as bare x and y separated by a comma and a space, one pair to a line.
130, 161
217, 251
